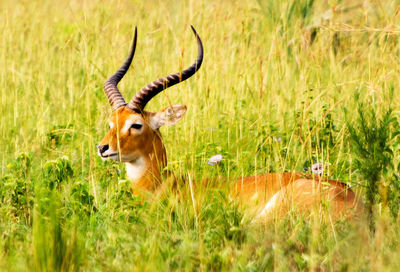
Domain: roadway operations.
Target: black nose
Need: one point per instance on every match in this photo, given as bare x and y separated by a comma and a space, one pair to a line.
102, 148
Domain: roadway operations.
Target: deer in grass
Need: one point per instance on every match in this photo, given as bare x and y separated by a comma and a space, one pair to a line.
134, 138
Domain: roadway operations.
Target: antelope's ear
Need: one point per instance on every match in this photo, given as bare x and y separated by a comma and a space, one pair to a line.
168, 116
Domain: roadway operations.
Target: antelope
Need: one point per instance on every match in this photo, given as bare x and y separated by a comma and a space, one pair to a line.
134, 138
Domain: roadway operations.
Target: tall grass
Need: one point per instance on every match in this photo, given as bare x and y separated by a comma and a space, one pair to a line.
269, 98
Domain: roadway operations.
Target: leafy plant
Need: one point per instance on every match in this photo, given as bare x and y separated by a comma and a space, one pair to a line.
56, 171
16, 187
372, 138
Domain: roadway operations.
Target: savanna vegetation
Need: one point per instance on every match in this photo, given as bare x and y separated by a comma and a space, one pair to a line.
284, 85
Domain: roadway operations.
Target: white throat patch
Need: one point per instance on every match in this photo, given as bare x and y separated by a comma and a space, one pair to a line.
135, 169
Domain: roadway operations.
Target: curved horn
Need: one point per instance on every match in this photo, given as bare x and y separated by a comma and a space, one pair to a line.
140, 100
110, 86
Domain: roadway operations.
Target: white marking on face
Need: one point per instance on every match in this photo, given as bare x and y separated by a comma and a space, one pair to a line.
111, 125
127, 126
129, 123
136, 169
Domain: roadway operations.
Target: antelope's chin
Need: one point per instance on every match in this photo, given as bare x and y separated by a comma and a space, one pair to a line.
108, 155
130, 158
116, 157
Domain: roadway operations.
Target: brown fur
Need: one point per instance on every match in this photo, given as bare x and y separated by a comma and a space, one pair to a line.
294, 190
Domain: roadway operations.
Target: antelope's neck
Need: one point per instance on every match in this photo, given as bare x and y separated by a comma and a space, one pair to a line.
136, 169
145, 172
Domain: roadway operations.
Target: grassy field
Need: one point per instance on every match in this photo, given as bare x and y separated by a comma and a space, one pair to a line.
284, 84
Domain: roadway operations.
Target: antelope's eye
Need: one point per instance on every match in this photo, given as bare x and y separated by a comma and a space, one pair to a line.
136, 126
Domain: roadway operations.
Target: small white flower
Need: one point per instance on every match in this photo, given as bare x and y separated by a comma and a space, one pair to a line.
215, 159
277, 139
317, 168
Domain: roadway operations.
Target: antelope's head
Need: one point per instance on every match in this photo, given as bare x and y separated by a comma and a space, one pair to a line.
134, 132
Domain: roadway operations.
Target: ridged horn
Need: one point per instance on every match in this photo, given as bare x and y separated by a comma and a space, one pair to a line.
110, 86
139, 101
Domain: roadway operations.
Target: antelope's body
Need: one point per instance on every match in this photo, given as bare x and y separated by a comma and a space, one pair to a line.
274, 194
135, 139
